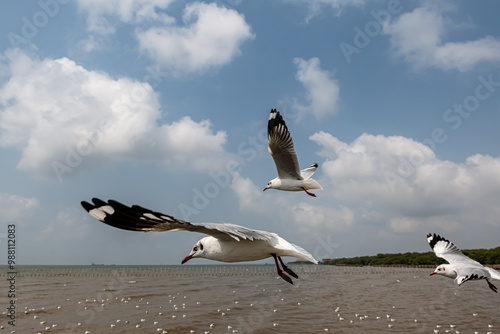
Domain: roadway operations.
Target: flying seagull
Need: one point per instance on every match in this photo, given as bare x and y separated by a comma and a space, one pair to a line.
290, 177
460, 267
225, 243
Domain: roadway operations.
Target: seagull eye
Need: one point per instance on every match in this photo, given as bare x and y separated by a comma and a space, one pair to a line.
195, 248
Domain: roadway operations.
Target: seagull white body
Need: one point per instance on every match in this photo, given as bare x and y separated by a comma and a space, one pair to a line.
461, 268
225, 243
247, 250
281, 148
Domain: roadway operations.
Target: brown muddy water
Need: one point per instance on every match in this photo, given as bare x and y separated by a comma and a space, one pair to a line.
244, 299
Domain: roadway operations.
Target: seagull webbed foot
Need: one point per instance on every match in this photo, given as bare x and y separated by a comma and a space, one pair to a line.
492, 287
288, 270
280, 272
285, 276
310, 194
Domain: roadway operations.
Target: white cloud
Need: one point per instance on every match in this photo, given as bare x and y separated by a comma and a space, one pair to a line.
284, 208
99, 13
64, 117
404, 224
390, 185
190, 144
67, 224
322, 91
417, 36
15, 207
319, 218
407, 185
316, 7
211, 37
249, 196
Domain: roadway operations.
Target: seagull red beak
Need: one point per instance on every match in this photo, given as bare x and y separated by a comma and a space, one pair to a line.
187, 258
265, 189
433, 273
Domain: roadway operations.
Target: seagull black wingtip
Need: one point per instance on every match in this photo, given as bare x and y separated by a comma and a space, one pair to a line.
98, 202
87, 206
276, 122
435, 239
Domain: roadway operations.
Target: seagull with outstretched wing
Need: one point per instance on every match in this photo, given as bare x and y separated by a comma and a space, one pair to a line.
281, 148
460, 267
225, 242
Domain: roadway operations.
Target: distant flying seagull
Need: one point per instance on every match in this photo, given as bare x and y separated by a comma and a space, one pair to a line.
290, 177
226, 242
460, 267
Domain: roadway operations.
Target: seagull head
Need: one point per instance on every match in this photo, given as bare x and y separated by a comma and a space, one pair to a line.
197, 251
202, 248
271, 184
445, 270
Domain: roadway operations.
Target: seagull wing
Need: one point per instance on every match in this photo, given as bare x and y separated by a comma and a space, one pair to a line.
281, 147
447, 250
465, 274
309, 171
137, 218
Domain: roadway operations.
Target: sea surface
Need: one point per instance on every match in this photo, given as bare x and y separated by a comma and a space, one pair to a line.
244, 299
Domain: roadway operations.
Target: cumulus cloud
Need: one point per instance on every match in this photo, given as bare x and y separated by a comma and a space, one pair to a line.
67, 224
288, 208
101, 15
63, 117
210, 37
322, 91
417, 37
15, 207
320, 218
407, 186
250, 197
316, 7
383, 187
387, 185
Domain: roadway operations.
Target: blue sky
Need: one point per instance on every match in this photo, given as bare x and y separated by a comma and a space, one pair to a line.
165, 104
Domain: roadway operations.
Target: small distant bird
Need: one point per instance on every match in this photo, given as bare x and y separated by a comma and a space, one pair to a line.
281, 148
225, 243
460, 267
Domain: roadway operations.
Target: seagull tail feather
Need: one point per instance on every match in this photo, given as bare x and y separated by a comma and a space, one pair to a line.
312, 184
303, 254
494, 273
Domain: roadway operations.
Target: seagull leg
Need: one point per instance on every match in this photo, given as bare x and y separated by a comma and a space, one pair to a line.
280, 272
288, 270
307, 192
492, 287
